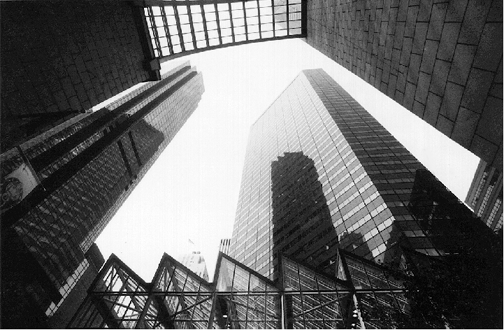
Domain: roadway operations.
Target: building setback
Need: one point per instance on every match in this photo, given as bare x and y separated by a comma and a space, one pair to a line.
78, 174
485, 195
224, 245
321, 174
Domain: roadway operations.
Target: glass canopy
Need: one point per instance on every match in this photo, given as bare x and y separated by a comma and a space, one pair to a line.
240, 298
177, 28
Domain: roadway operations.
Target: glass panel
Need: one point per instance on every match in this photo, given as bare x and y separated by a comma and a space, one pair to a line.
169, 10
239, 30
213, 34
213, 42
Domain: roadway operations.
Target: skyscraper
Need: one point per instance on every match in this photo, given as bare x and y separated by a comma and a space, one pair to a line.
64, 186
196, 263
485, 195
321, 174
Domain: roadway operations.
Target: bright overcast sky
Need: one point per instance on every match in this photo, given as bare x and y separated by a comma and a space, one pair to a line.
191, 192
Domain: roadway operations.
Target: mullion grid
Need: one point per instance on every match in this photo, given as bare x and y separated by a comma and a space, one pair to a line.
167, 30
259, 19
153, 31
205, 28
273, 17
198, 27
294, 17
231, 21
252, 20
211, 24
179, 28
245, 23
217, 20
191, 26
131, 286
282, 18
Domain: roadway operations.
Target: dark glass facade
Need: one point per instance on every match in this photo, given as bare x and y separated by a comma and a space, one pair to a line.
85, 170
321, 174
361, 177
485, 195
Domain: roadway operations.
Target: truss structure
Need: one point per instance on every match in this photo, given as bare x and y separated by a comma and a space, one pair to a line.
240, 297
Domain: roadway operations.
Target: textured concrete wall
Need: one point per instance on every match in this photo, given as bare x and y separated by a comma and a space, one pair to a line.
61, 58
440, 59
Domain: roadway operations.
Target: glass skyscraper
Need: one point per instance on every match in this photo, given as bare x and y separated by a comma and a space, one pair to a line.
338, 226
62, 188
321, 174
318, 162
196, 263
485, 195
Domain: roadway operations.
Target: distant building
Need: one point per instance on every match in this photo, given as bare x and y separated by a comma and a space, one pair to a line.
60, 189
195, 262
224, 245
485, 195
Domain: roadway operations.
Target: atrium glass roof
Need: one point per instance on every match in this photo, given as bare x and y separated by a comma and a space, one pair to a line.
177, 28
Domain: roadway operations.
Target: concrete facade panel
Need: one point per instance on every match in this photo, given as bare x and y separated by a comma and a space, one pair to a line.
71, 49
466, 123
458, 43
490, 124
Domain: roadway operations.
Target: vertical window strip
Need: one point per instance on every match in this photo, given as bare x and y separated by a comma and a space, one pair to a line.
179, 28
231, 21
245, 21
217, 19
154, 32
259, 19
191, 26
205, 29
167, 30
287, 18
273, 18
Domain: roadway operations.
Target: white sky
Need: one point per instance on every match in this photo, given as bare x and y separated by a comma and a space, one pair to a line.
191, 192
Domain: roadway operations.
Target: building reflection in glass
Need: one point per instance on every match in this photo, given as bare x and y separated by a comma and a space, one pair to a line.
302, 227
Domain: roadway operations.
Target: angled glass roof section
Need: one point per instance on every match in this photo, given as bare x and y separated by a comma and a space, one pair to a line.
179, 28
118, 298
317, 301
245, 299
182, 296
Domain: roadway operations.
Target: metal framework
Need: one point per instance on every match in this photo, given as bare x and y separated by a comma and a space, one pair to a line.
238, 297
179, 28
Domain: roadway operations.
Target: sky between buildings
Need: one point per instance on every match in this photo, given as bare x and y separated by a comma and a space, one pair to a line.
191, 192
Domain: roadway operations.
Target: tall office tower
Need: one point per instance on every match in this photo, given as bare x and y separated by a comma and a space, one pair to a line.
61, 189
321, 174
485, 195
224, 245
441, 60
196, 263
